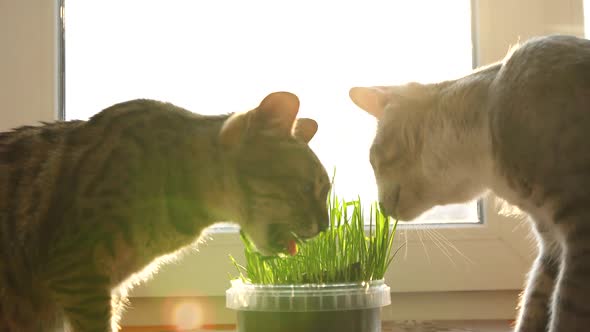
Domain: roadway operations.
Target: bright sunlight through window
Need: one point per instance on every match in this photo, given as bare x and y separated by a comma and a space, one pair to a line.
222, 56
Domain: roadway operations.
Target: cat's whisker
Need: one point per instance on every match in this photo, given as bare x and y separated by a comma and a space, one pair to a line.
418, 230
441, 239
407, 246
520, 223
439, 244
452, 246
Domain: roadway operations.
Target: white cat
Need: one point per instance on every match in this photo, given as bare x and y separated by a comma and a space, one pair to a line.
521, 128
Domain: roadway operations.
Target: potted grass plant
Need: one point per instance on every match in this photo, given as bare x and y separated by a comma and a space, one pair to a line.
334, 283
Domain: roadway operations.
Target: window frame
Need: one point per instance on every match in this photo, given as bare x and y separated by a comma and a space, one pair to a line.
498, 255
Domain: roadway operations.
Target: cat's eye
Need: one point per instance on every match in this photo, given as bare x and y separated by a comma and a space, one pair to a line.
326, 190
381, 158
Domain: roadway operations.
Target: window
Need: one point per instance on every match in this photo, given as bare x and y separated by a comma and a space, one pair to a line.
497, 257
219, 56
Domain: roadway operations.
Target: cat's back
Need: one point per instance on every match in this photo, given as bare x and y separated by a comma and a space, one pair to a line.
554, 53
30, 157
39, 165
27, 154
46, 171
540, 119
542, 89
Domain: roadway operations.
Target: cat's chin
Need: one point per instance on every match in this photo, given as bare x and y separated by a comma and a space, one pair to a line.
271, 252
407, 205
265, 248
409, 214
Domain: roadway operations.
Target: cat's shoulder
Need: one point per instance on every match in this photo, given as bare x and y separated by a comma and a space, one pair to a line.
551, 48
147, 114
555, 41
139, 108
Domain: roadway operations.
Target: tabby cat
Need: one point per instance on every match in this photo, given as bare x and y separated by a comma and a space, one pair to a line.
520, 128
86, 205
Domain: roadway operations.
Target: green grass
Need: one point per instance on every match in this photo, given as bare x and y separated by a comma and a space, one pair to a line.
343, 253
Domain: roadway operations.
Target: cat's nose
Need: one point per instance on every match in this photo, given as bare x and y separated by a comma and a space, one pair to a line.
324, 224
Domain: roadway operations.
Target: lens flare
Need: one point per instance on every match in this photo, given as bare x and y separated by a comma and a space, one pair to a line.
188, 315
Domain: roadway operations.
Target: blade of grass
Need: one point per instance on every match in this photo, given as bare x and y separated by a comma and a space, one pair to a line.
343, 253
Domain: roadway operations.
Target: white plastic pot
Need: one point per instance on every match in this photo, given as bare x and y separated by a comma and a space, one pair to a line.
345, 307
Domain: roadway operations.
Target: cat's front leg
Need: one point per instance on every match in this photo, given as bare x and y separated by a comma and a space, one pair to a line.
119, 302
571, 300
534, 314
86, 302
90, 312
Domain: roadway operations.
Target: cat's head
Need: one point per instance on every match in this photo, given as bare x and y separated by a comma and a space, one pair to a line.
282, 185
415, 152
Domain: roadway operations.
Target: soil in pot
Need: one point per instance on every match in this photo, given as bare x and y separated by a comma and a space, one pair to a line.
364, 320
346, 307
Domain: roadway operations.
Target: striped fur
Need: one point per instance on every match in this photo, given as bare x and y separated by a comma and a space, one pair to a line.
521, 128
86, 205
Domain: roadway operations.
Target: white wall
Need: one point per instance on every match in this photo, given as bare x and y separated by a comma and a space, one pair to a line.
28, 62
502, 23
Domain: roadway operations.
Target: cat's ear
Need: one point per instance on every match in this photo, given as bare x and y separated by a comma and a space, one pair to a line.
370, 99
374, 99
276, 113
304, 129
234, 129
274, 116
